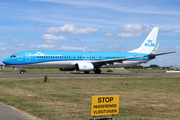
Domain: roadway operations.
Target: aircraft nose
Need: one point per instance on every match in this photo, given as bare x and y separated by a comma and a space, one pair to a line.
6, 61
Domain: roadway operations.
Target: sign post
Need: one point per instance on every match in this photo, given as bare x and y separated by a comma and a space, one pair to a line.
105, 105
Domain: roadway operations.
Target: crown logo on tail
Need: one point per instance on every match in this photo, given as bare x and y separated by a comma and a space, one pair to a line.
150, 43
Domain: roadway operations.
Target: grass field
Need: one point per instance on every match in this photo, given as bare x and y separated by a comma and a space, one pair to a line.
141, 98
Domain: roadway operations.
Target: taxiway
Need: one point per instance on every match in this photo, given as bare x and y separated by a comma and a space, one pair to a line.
25, 75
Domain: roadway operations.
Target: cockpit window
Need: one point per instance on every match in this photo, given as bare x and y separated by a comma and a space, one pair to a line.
15, 56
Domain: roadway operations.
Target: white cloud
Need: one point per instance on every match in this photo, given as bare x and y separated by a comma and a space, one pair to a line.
166, 31
2, 49
70, 29
72, 48
50, 38
44, 46
132, 28
129, 31
177, 47
41, 25
53, 47
21, 45
32, 46
2, 44
122, 35
100, 47
56, 47
15, 40
7, 39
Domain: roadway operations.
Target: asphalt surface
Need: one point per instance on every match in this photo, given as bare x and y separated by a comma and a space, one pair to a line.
85, 75
7, 113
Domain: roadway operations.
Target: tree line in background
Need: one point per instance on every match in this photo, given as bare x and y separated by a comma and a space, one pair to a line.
153, 66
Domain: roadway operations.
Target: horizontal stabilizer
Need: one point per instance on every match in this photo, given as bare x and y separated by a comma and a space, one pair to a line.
159, 54
155, 49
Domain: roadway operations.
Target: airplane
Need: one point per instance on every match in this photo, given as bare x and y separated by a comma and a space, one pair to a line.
175, 68
85, 60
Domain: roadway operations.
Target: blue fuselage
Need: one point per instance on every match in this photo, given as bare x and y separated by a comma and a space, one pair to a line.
67, 59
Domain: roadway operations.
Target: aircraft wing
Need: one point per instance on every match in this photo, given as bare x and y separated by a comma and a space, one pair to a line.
111, 61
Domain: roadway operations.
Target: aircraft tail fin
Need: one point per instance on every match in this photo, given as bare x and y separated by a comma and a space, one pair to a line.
149, 44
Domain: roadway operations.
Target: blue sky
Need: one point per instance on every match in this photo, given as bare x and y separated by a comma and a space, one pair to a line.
93, 25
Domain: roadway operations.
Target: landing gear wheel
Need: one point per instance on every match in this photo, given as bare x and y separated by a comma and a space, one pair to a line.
98, 71
21, 72
86, 72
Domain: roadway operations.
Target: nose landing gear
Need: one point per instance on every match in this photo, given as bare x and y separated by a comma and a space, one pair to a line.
22, 71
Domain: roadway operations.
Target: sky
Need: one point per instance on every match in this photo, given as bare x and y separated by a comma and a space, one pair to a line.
93, 25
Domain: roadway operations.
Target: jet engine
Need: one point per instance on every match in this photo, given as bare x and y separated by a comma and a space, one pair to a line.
86, 66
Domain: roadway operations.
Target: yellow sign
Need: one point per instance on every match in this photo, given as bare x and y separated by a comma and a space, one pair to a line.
105, 105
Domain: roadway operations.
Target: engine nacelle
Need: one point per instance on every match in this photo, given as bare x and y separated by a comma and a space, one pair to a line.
66, 69
86, 66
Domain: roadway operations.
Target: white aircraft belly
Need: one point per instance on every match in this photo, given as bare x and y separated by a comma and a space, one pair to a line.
50, 64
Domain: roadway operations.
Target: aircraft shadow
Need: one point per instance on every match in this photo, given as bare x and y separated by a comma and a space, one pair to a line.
110, 73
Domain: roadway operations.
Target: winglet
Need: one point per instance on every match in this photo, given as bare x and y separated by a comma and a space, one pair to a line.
149, 44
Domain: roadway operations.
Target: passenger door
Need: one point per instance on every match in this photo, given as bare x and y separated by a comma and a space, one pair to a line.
28, 57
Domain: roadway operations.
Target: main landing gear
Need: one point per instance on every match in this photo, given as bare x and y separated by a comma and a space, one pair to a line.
97, 71
21, 72
86, 72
